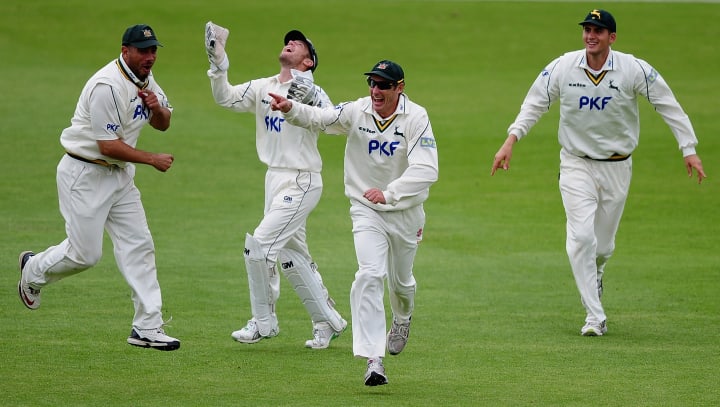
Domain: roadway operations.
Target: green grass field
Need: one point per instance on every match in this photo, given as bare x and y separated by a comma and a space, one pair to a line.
498, 315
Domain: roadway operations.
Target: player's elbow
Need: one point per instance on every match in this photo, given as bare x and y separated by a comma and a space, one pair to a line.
160, 122
162, 126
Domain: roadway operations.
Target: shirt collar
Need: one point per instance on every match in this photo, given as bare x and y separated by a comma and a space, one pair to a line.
608, 66
400, 109
129, 75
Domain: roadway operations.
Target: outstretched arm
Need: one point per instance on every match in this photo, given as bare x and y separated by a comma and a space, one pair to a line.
502, 157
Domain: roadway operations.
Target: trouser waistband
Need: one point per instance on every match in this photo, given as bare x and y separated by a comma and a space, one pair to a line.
85, 160
614, 157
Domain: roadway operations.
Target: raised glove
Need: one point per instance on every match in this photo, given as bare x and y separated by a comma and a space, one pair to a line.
303, 89
215, 39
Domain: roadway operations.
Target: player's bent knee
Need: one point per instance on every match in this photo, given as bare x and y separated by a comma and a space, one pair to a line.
253, 249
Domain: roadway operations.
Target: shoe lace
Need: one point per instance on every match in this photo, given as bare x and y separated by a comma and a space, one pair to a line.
318, 334
374, 363
166, 323
400, 329
251, 326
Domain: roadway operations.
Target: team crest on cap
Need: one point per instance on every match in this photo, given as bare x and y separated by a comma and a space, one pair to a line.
382, 66
147, 33
596, 13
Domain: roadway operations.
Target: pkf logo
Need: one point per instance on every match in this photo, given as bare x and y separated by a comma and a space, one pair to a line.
594, 103
142, 112
383, 148
273, 124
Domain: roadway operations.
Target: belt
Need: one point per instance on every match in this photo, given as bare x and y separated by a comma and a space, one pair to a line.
614, 157
85, 160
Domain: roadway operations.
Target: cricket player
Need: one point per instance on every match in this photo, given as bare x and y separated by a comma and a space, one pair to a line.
390, 163
598, 89
293, 186
96, 188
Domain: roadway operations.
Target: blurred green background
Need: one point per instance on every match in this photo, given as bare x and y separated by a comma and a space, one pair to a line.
498, 316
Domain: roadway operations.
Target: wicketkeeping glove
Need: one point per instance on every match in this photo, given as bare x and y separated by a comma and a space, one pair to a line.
303, 89
215, 39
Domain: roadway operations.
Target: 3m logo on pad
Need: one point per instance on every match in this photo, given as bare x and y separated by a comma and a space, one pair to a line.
594, 103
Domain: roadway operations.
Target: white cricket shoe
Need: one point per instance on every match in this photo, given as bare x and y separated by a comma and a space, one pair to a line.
594, 329
323, 333
375, 374
251, 334
397, 337
29, 296
152, 338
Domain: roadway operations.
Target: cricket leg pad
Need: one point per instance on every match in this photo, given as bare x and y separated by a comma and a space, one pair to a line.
308, 285
260, 278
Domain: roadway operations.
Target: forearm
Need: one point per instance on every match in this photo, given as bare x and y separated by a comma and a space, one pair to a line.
315, 119
119, 150
160, 119
415, 181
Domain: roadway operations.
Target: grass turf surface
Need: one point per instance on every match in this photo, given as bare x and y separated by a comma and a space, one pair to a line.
497, 314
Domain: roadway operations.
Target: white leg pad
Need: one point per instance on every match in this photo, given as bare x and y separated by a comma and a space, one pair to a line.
260, 278
308, 285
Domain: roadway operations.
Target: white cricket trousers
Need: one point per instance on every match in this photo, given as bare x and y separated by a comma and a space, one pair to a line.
290, 197
94, 198
385, 246
594, 195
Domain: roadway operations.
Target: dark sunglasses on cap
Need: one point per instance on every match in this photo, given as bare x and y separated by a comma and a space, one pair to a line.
382, 85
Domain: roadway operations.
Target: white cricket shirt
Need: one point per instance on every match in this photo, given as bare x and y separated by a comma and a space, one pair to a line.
109, 108
599, 110
279, 144
397, 155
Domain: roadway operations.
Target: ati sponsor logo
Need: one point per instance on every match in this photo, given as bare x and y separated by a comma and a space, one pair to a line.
142, 112
273, 124
287, 265
594, 103
112, 127
384, 148
287, 199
